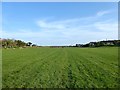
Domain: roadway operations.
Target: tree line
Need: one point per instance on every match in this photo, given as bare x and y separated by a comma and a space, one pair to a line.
12, 43
100, 43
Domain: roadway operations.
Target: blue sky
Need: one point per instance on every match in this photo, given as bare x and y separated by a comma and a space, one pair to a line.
60, 23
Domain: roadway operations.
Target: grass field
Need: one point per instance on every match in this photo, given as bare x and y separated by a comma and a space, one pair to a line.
60, 67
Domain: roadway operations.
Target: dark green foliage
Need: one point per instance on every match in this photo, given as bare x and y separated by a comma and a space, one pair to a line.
29, 44
11, 43
101, 43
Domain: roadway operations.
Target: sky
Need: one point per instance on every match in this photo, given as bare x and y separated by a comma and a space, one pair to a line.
60, 23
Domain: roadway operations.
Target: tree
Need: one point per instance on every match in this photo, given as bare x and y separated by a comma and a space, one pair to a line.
4, 43
20, 43
34, 45
0, 42
29, 44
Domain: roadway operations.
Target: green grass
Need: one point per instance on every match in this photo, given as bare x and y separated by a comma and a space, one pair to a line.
60, 67
0, 68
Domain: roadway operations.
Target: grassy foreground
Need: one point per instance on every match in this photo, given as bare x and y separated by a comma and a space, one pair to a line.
60, 67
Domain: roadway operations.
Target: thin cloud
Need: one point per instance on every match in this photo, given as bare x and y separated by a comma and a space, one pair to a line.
71, 23
101, 13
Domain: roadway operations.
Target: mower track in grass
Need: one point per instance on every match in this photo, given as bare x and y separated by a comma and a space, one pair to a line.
60, 68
